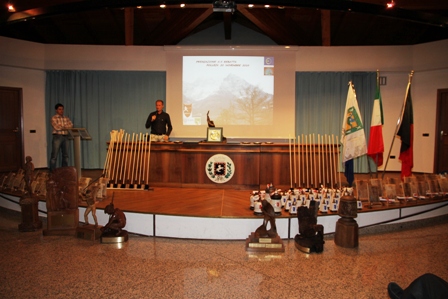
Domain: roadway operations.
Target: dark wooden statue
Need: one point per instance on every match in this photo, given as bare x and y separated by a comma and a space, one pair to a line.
210, 122
29, 174
116, 223
62, 202
29, 202
264, 239
311, 235
62, 190
268, 217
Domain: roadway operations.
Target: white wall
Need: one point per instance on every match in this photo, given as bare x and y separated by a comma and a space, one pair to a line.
22, 64
75, 57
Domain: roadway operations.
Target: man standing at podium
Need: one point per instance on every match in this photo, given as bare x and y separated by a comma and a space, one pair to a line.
60, 124
160, 123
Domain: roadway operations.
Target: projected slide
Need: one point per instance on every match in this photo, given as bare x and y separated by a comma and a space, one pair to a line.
237, 90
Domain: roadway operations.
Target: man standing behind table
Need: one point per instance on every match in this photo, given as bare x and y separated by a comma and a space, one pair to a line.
60, 124
160, 123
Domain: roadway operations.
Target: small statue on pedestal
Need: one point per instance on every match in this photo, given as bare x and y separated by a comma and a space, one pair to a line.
29, 173
89, 195
210, 123
346, 233
29, 202
264, 239
117, 220
113, 231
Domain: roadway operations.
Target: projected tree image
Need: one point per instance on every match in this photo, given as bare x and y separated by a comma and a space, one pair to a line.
256, 105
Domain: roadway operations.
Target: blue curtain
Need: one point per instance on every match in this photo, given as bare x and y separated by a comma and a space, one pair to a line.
320, 104
101, 101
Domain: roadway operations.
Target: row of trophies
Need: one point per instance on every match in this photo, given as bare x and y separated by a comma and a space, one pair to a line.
429, 186
290, 200
15, 182
390, 190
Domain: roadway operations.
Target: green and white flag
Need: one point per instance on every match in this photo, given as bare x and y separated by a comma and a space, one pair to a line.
353, 137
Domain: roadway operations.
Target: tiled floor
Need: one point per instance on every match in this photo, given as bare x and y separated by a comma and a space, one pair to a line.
34, 266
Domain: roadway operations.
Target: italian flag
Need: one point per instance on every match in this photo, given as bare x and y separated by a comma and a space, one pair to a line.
375, 148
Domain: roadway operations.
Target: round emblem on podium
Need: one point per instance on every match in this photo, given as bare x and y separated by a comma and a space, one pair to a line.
219, 168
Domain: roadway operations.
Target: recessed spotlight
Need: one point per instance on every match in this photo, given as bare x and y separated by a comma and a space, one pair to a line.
267, 6
390, 4
250, 5
182, 5
11, 8
162, 5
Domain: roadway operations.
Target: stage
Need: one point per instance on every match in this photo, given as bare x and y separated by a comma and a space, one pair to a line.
225, 214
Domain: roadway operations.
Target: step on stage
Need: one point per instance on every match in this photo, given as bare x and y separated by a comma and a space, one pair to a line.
225, 214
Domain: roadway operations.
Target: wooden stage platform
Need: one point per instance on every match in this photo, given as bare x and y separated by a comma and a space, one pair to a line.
225, 213
190, 202
225, 203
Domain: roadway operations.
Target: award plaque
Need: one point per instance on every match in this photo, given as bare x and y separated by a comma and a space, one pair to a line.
214, 134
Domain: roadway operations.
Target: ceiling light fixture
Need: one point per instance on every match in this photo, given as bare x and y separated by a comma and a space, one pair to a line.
390, 4
250, 5
182, 5
11, 7
162, 5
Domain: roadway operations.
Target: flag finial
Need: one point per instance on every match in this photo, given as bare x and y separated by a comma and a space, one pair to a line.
411, 75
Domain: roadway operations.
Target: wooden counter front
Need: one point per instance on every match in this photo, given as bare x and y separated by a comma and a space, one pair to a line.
184, 164
246, 160
165, 165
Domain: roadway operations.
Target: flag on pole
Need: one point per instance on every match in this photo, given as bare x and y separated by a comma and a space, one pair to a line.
406, 133
353, 137
375, 149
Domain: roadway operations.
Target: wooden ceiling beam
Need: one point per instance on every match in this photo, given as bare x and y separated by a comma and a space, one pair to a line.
326, 27
129, 26
275, 27
178, 26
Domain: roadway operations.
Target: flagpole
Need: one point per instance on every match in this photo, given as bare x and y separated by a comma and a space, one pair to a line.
376, 155
381, 109
399, 121
290, 161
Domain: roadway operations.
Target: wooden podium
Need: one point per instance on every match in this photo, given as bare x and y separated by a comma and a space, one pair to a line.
77, 134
